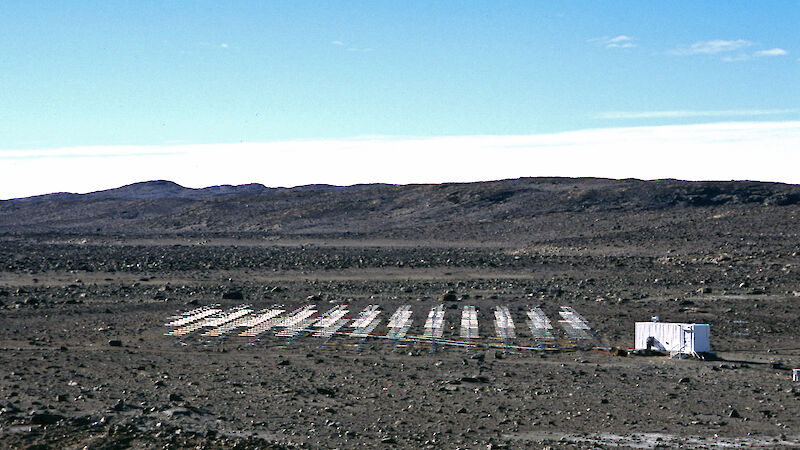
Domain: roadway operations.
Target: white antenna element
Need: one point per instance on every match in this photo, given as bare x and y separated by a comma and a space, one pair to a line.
180, 320
399, 323
212, 321
365, 323
330, 322
434, 324
297, 322
576, 327
541, 328
241, 322
503, 324
469, 324
260, 324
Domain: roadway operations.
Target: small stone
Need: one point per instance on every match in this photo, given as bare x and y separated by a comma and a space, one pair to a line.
115, 343
173, 412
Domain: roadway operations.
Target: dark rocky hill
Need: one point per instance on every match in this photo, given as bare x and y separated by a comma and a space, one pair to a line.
158, 207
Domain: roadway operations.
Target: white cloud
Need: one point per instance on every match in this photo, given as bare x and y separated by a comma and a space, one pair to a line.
722, 151
712, 47
337, 43
680, 114
223, 45
719, 46
737, 58
621, 41
772, 52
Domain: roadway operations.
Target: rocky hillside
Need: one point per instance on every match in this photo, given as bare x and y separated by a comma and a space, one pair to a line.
388, 210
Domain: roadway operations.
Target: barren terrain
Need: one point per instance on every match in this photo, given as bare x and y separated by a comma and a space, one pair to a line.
78, 273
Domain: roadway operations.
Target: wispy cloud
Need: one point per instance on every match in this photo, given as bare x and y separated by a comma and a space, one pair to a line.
737, 58
759, 54
351, 48
715, 46
684, 114
718, 151
621, 41
728, 50
772, 52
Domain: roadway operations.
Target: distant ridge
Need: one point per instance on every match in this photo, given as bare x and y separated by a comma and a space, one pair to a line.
154, 190
393, 210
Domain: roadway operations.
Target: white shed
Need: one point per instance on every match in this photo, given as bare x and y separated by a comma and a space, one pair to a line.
676, 338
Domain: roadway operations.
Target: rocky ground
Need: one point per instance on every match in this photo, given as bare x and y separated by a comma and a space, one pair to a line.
85, 361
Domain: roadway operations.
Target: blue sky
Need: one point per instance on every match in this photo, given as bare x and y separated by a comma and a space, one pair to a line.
135, 73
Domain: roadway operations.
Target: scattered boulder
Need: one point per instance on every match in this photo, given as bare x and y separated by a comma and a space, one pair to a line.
330, 392
44, 418
115, 343
233, 295
449, 296
119, 406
